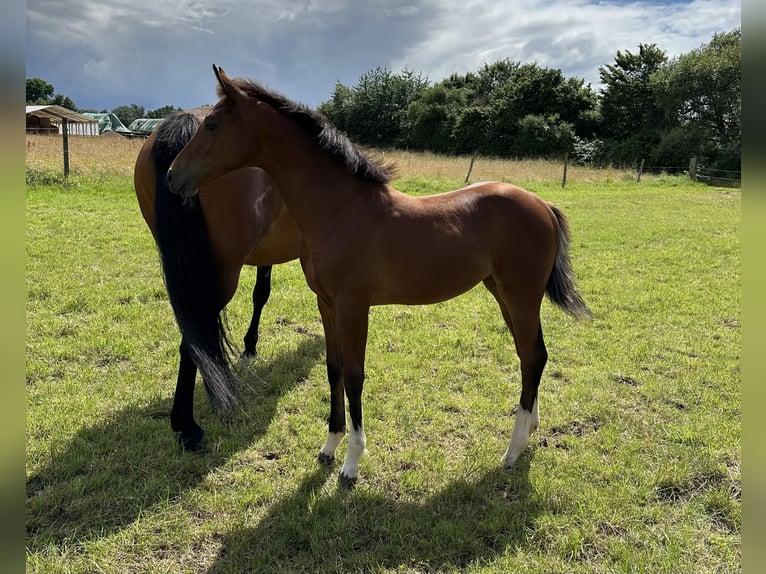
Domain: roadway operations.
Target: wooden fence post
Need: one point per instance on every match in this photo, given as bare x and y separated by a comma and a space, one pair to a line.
566, 162
65, 133
640, 170
470, 167
693, 168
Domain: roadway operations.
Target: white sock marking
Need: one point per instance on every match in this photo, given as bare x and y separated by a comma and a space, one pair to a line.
356, 448
333, 440
535, 416
526, 422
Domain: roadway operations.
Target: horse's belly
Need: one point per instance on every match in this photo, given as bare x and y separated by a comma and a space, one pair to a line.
272, 250
427, 286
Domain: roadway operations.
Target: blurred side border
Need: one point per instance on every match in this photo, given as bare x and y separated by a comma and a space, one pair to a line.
753, 307
12, 287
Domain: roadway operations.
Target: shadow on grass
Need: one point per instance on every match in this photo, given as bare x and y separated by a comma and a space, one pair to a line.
111, 473
470, 520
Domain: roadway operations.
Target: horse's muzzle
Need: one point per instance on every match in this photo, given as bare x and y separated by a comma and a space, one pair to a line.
179, 185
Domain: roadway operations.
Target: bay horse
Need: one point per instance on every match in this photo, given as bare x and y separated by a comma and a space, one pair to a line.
237, 219
364, 243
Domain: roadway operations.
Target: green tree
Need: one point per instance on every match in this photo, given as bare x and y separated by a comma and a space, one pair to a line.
701, 92
64, 102
338, 107
161, 113
529, 90
536, 110
632, 118
542, 136
129, 113
431, 118
39, 92
503, 107
491, 79
374, 111
469, 133
577, 104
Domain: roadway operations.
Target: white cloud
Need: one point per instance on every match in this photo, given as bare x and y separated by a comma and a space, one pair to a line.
576, 36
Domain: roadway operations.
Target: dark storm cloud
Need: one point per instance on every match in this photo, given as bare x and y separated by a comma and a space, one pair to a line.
159, 52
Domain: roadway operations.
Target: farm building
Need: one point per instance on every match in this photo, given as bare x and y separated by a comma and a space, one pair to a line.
144, 126
50, 120
108, 122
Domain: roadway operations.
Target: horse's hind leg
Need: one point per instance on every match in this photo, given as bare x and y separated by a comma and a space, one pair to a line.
182, 414
261, 293
521, 312
533, 356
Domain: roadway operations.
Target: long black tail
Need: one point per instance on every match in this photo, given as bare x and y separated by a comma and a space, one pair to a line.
191, 275
561, 284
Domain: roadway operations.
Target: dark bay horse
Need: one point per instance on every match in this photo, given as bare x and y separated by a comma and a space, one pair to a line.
237, 219
364, 243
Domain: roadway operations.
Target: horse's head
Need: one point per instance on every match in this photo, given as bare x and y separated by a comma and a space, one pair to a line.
220, 144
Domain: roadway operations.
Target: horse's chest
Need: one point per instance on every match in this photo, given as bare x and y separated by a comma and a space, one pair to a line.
322, 272
315, 279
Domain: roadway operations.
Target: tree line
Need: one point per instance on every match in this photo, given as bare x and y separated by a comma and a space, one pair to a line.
652, 108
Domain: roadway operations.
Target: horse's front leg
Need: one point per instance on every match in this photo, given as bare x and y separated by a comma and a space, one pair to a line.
337, 421
352, 323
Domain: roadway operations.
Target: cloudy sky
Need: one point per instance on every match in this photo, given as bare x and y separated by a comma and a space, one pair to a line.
160, 52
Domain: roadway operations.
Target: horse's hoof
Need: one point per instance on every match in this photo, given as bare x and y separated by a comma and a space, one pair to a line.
191, 440
347, 482
510, 461
325, 459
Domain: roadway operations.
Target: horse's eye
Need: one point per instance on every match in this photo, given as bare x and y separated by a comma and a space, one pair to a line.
210, 126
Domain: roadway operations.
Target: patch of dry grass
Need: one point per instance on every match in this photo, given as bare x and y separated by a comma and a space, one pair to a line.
110, 154
114, 154
518, 171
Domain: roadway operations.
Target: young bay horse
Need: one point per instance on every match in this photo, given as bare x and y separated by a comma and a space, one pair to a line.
237, 219
364, 243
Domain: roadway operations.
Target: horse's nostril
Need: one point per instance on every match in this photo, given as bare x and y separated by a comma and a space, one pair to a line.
169, 175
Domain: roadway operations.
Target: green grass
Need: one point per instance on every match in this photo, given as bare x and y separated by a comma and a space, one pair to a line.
636, 466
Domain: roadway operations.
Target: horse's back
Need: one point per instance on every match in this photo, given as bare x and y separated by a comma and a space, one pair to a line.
479, 209
496, 193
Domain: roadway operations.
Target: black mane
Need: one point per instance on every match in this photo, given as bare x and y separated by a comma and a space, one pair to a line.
345, 152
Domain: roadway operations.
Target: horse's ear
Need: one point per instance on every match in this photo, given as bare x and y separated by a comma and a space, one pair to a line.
221, 76
226, 86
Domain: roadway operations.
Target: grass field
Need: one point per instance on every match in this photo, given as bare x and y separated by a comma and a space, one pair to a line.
636, 466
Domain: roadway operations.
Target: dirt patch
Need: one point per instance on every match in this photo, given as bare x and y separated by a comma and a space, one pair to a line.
557, 436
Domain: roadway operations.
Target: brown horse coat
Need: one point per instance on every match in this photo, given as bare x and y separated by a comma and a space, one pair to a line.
247, 221
364, 243
243, 222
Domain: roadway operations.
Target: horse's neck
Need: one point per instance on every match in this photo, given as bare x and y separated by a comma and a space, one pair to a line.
311, 183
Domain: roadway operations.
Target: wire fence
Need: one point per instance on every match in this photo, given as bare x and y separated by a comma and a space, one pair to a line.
719, 177
695, 171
